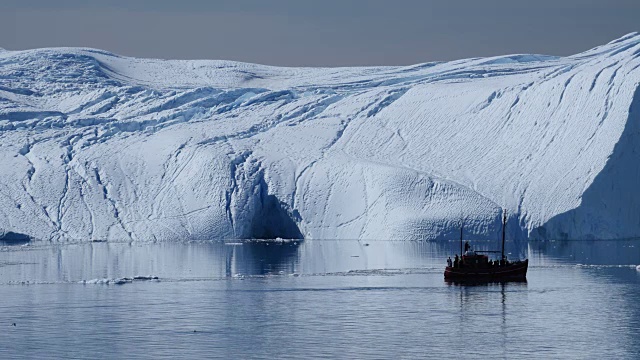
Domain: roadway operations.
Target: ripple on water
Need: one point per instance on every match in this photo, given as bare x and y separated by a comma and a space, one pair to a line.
311, 298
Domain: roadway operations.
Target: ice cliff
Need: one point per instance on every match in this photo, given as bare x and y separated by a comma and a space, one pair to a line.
96, 146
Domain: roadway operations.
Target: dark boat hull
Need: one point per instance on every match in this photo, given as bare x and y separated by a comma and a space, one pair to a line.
512, 272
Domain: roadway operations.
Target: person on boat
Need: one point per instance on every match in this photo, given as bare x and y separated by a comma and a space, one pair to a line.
466, 246
504, 261
456, 262
449, 261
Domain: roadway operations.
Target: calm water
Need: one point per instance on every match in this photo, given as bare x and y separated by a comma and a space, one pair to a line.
319, 298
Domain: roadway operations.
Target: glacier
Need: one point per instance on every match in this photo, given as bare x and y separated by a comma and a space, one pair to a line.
96, 146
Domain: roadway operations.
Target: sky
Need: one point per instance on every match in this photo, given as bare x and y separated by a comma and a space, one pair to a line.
318, 32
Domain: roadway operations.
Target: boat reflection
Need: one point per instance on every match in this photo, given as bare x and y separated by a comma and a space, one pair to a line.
475, 282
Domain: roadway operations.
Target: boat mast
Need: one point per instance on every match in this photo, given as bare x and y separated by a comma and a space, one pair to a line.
461, 229
504, 225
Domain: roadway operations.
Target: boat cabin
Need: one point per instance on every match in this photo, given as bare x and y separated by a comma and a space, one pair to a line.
471, 258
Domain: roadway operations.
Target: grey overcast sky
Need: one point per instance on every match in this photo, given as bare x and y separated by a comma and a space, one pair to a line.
319, 32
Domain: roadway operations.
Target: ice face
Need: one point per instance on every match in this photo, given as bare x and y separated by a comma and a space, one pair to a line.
97, 146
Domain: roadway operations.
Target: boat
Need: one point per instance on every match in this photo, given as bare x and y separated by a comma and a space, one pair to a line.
475, 266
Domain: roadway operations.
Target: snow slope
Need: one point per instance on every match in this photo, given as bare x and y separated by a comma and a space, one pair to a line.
97, 146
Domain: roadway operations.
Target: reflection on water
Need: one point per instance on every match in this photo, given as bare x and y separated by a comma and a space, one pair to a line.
47, 263
50, 263
261, 257
43, 263
474, 282
590, 252
315, 298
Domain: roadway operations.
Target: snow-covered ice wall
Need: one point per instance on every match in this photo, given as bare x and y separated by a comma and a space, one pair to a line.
97, 146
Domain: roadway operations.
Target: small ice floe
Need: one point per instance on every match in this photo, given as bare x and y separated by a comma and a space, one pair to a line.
145, 278
638, 267
24, 282
95, 281
120, 281
116, 281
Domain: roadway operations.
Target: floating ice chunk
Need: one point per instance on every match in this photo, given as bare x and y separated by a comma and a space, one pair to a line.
95, 281
106, 281
120, 281
145, 277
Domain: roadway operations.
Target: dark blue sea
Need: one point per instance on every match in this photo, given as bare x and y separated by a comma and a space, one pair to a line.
343, 299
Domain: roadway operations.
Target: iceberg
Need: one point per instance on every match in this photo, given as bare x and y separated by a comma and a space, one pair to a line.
97, 146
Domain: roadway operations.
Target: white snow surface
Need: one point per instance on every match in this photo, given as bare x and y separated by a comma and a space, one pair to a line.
96, 146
